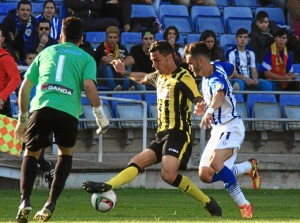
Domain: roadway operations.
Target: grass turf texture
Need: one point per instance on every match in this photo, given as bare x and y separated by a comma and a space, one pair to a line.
149, 205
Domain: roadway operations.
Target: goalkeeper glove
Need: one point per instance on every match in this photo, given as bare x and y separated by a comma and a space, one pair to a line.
21, 127
101, 120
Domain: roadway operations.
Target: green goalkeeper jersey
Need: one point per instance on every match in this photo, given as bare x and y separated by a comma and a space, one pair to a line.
58, 72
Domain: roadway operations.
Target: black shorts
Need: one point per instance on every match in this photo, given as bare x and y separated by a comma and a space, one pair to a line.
173, 143
45, 121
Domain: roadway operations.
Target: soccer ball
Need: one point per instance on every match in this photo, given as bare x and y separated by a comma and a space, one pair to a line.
105, 201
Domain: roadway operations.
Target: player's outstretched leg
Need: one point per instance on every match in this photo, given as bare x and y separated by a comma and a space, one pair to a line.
24, 212
46, 213
124, 177
96, 187
213, 208
254, 174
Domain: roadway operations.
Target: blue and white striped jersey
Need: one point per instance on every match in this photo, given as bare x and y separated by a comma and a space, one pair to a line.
55, 26
216, 82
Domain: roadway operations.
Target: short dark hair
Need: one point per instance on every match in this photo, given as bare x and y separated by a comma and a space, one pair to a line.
148, 31
162, 46
281, 32
165, 35
43, 20
24, 2
241, 31
261, 15
31, 52
196, 49
72, 29
49, 1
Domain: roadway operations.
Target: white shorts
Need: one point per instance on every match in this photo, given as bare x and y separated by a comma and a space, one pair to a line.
228, 135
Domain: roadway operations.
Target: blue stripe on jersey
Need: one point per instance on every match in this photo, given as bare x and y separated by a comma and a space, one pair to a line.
216, 82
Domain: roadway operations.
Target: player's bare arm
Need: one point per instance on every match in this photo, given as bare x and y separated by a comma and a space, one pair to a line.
139, 77
91, 92
216, 103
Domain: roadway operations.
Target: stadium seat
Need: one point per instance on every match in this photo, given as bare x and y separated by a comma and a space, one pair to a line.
142, 11
159, 36
129, 39
253, 4
203, 11
95, 38
192, 37
275, 14
236, 13
254, 98
241, 108
176, 15
239, 97
131, 113
221, 4
296, 68
234, 25
2, 18
267, 110
151, 99
290, 107
6, 7
227, 41
37, 8
213, 23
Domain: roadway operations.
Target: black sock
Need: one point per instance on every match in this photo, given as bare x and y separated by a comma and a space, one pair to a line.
61, 173
28, 174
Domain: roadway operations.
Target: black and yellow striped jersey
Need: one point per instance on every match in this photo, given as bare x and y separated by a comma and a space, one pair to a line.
175, 95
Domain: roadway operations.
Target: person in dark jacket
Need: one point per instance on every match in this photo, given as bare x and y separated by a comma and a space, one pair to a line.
90, 11
18, 26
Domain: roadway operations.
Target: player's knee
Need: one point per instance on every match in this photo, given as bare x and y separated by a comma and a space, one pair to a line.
168, 178
204, 175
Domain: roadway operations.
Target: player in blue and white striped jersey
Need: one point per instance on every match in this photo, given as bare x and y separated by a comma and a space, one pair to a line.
228, 131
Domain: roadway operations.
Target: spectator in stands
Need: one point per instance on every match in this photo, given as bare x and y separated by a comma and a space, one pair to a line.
9, 78
108, 51
87, 47
190, 3
118, 9
210, 39
141, 55
262, 34
171, 34
273, 3
297, 30
293, 8
277, 64
49, 14
90, 13
18, 26
41, 39
246, 76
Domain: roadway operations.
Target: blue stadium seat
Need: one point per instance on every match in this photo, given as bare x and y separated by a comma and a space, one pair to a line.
289, 100
253, 4
221, 4
296, 68
275, 14
176, 15
242, 110
95, 38
236, 13
192, 37
37, 8
234, 25
213, 23
129, 39
203, 11
2, 18
6, 7
159, 36
142, 11
239, 97
292, 112
254, 98
151, 99
227, 41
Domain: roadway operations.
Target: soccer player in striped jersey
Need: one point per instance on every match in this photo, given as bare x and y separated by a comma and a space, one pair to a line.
176, 92
227, 134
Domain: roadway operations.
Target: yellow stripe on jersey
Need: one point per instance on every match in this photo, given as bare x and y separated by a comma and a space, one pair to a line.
175, 93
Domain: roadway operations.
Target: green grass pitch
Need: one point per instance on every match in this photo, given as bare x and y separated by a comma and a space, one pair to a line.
150, 205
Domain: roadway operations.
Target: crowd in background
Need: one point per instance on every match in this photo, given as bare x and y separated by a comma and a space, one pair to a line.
263, 56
